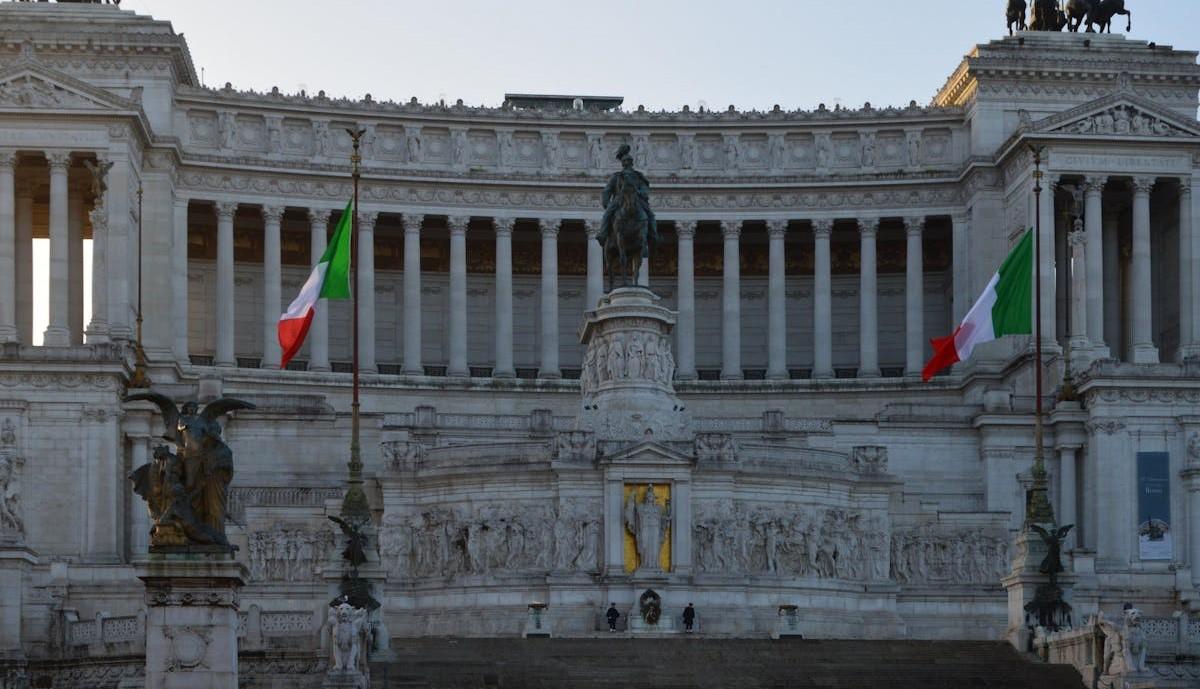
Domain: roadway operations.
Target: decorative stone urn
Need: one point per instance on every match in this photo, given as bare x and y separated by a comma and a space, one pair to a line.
628, 367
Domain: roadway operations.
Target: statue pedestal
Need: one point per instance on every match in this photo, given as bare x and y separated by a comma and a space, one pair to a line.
1022, 585
537, 622
191, 617
345, 679
628, 369
666, 625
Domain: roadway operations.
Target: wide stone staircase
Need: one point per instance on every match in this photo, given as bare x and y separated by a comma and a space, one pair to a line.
690, 662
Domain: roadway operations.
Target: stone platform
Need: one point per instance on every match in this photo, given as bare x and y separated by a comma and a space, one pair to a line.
719, 663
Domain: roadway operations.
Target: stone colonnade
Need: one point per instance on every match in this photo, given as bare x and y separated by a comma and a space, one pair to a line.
549, 339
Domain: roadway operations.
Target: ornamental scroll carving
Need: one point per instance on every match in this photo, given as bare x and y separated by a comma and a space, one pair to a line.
924, 555
628, 356
499, 537
790, 539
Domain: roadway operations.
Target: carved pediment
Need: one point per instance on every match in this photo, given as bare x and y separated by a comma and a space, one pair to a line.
649, 453
1121, 114
33, 87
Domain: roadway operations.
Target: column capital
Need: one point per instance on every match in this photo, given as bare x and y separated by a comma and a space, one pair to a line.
319, 215
458, 224
1142, 185
8, 158
58, 160
914, 225
503, 226
869, 226
366, 220
549, 227
685, 228
591, 227
272, 214
960, 218
412, 222
1094, 184
777, 228
226, 209
731, 229
822, 228
1185, 186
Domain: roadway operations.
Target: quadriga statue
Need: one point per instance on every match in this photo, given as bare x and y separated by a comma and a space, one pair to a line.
186, 490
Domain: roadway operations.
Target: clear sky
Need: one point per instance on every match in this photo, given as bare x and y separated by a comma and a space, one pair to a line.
660, 53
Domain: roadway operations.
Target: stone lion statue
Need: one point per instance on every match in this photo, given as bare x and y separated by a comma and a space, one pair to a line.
1133, 642
348, 638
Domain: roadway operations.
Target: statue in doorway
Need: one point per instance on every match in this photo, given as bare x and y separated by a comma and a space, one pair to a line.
648, 521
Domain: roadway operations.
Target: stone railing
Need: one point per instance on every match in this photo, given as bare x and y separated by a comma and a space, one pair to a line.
104, 635
1168, 639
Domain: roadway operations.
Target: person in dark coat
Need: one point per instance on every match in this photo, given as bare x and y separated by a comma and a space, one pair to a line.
689, 618
612, 615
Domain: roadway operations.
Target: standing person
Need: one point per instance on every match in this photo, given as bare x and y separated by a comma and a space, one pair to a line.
612, 615
689, 618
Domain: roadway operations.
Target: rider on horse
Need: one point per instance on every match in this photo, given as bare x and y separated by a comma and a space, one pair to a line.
642, 185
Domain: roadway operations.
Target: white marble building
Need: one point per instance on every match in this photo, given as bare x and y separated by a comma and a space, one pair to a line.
800, 324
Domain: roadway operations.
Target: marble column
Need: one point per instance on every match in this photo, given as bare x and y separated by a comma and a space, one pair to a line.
731, 303
1049, 283
366, 293
8, 247
685, 327
776, 301
318, 332
224, 306
179, 277
868, 300
1067, 482
1111, 257
98, 326
822, 301
1093, 226
272, 217
914, 298
595, 266
412, 294
549, 362
1189, 274
458, 296
58, 331
504, 299
1144, 351
961, 256
75, 213
24, 260
1081, 351
1191, 483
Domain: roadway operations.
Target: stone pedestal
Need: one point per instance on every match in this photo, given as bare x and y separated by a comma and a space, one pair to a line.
345, 679
537, 622
628, 369
788, 623
1022, 586
191, 620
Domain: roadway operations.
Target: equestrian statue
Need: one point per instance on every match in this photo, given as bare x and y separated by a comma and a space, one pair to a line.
1047, 15
628, 229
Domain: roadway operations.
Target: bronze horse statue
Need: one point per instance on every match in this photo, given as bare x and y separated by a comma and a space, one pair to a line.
625, 248
1046, 15
1078, 12
1102, 13
1016, 15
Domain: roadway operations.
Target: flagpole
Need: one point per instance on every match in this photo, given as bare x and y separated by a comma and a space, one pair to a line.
139, 379
1037, 506
354, 505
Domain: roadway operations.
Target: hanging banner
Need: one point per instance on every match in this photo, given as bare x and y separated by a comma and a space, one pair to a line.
1154, 506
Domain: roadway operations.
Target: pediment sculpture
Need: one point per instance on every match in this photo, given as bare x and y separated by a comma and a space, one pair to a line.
29, 91
1123, 120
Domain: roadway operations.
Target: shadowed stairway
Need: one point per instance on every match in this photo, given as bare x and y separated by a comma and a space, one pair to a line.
685, 663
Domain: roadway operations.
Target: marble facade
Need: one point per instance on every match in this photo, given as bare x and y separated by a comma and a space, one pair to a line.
807, 464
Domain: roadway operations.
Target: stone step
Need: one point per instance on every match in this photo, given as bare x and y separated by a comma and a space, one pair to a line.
696, 662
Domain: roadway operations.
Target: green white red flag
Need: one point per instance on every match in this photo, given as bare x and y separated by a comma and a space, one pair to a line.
1004, 308
330, 279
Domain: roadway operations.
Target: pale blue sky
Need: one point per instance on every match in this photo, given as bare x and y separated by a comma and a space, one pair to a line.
660, 53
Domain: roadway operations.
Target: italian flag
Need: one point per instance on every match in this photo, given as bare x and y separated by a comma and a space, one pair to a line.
330, 279
1004, 308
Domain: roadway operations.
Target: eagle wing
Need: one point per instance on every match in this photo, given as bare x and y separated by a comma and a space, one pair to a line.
1041, 532
223, 406
1062, 532
170, 412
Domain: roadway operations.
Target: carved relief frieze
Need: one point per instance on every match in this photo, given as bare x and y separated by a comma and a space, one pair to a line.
927, 556
1123, 120
288, 553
